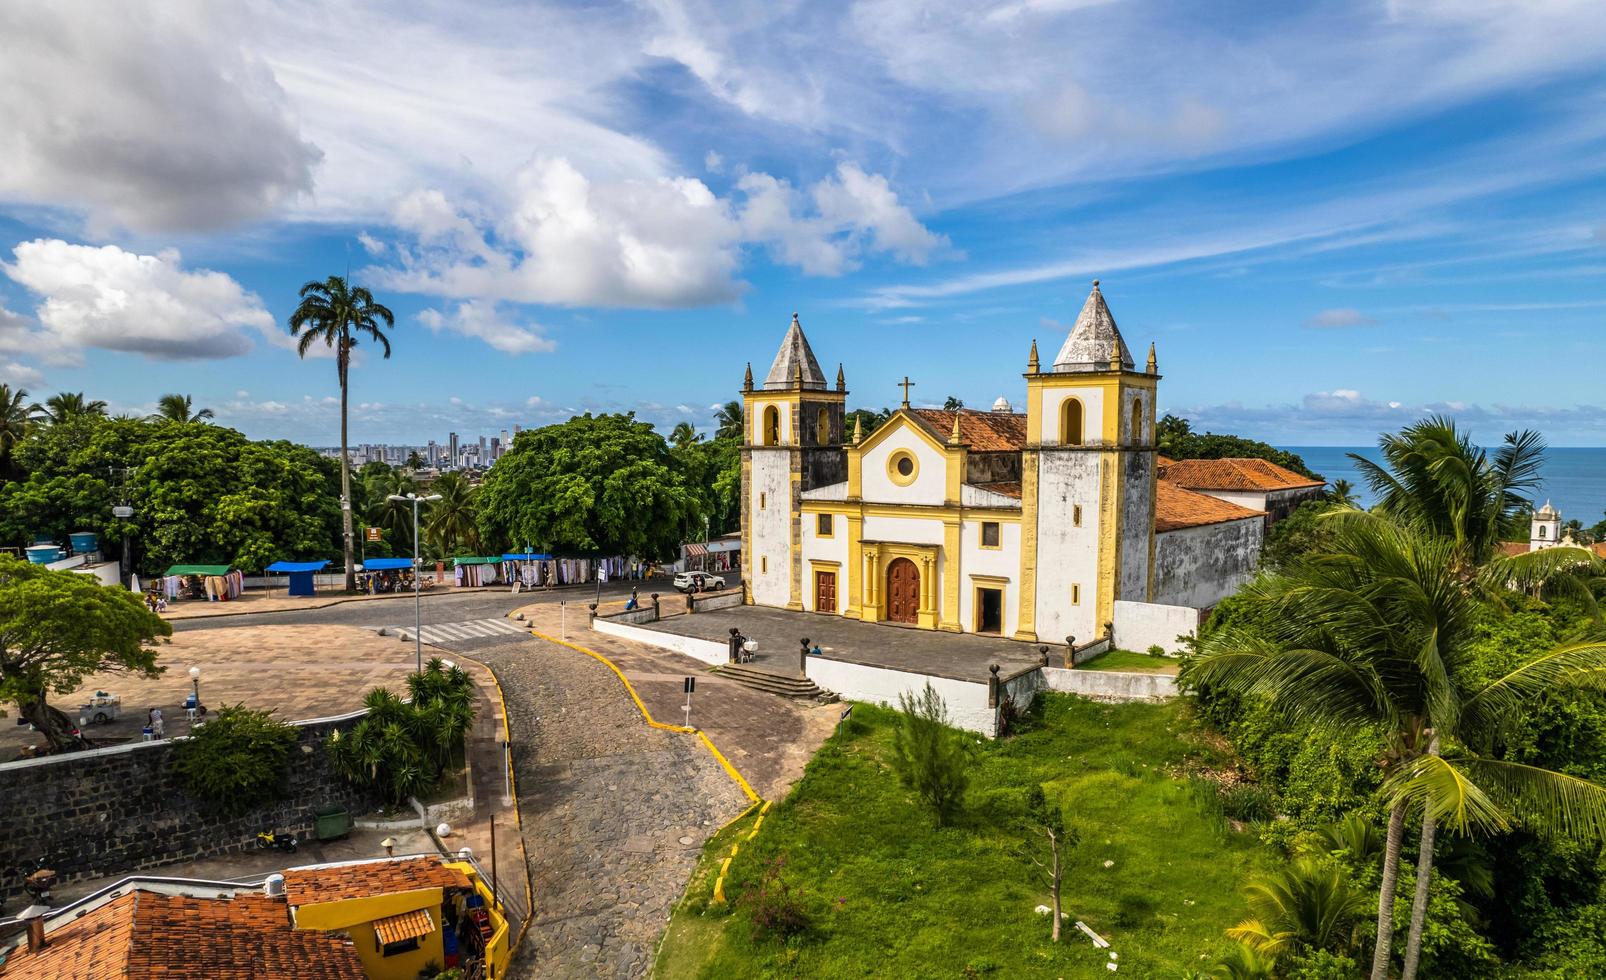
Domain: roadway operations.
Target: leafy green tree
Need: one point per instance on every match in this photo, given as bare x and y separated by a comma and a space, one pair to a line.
452, 519
713, 469
865, 421
1176, 439
14, 423
594, 484
930, 757
340, 315
66, 405
57, 628
1378, 635
237, 760
199, 493
178, 408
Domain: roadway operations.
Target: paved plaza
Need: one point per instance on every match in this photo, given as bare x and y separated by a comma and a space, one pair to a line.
961, 656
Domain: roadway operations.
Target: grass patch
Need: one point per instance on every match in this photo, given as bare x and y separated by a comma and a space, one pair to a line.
1127, 660
890, 895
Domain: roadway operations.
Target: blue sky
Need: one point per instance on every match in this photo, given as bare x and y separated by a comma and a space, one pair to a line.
1330, 218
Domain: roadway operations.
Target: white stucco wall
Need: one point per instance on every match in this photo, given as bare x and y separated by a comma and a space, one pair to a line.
832, 549
1067, 554
707, 651
1252, 499
1200, 566
1140, 625
930, 485
770, 563
966, 701
1111, 685
1002, 562
1092, 414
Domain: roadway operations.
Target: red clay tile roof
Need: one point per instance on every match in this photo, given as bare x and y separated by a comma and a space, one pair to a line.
1007, 489
983, 432
1176, 508
1513, 548
407, 925
147, 935
1231, 474
336, 883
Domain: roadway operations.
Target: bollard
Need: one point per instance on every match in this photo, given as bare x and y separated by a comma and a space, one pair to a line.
1042, 653
1070, 652
657, 613
593, 617
689, 607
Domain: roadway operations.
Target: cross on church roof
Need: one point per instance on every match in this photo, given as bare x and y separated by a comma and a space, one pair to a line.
906, 384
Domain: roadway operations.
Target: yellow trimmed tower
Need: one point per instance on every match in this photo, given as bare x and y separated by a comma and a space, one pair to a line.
1088, 472
792, 442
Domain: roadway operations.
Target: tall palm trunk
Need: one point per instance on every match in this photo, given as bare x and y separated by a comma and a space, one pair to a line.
1424, 874
345, 469
1385, 896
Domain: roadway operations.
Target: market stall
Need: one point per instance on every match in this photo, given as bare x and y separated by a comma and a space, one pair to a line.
214, 583
299, 573
388, 575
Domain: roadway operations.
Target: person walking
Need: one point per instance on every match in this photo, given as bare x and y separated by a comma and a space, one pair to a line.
631, 603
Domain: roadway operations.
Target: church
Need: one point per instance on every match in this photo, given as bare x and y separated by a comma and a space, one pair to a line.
1037, 525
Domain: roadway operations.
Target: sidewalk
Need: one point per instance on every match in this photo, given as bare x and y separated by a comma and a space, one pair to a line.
767, 738
260, 601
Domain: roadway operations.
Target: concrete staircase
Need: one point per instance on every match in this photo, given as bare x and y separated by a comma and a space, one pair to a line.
763, 680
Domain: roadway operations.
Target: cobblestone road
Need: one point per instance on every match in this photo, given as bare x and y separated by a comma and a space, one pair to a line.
614, 812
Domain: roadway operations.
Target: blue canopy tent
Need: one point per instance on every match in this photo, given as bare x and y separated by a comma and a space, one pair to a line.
527, 556
386, 564
300, 573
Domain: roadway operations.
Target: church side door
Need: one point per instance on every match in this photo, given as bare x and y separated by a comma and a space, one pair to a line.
825, 592
903, 592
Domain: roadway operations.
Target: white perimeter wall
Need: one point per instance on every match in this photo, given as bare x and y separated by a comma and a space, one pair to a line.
1001, 562
708, 651
770, 564
1067, 554
966, 700
1111, 685
1140, 625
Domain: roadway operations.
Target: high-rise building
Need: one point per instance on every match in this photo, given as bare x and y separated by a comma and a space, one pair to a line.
496, 449
484, 458
451, 442
434, 455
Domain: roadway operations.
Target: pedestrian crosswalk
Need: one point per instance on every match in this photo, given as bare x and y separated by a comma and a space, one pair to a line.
447, 633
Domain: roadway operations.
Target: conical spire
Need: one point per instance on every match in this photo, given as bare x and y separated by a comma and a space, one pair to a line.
1094, 344
1153, 366
1032, 365
747, 380
794, 359
858, 429
953, 440
841, 380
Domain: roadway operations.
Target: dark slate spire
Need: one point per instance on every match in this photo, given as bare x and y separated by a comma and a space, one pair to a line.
1094, 344
793, 358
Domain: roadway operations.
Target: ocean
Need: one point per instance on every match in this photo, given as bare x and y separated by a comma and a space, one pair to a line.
1574, 479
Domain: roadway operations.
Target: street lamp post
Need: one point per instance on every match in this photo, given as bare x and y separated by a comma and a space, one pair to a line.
415, 499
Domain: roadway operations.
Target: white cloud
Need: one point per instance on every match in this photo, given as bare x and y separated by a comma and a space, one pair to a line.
145, 117
534, 401
713, 162
666, 242
1339, 317
370, 244
483, 320
113, 299
20, 375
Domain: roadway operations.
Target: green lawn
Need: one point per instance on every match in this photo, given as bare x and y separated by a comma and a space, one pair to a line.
1126, 660
893, 897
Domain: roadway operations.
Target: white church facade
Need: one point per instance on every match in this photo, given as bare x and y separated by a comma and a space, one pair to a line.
1044, 524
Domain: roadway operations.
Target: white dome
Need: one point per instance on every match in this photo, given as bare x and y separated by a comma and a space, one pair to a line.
1002, 405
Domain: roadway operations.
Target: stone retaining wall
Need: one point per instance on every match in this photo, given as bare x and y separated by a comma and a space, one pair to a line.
1111, 685
119, 810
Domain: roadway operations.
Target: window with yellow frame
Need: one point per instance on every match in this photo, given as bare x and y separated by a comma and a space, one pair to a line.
903, 467
824, 526
991, 535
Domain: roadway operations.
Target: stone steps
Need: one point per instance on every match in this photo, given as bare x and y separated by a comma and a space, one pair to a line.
760, 680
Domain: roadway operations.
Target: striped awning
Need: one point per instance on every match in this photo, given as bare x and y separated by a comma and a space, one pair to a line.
695, 551
399, 928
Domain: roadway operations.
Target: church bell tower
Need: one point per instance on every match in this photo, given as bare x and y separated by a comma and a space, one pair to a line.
792, 441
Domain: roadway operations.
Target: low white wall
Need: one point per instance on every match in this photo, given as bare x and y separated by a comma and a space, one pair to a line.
1111, 685
1140, 625
966, 700
708, 651
728, 600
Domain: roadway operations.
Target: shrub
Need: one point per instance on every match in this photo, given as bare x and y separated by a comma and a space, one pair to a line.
402, 748
1156, 650
775, 907
237, 760
931, 758
1247, 803
1134, 909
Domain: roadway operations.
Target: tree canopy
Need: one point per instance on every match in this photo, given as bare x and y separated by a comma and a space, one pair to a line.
603, 484
57, 628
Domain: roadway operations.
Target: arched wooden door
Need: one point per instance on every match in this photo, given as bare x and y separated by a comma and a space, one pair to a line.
903, 591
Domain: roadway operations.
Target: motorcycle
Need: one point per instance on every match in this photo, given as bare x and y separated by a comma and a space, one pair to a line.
269, 839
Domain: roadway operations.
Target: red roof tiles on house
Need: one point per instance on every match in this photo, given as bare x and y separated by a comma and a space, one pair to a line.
1005, 489
983, 432
148, 935
1232, 474
336, 883
1176, 508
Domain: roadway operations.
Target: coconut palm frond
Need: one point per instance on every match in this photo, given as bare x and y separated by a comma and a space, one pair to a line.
1448, 792
1549, 803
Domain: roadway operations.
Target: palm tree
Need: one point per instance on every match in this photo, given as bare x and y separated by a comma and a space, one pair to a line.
415, 461
729, 419
452, 518
66, 405
1376, 636
1309, 904
1343, 493
338, 314
14, 416
393, 516
684, 434
176, 408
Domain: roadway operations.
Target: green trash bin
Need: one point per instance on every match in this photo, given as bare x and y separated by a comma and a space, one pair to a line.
331, 822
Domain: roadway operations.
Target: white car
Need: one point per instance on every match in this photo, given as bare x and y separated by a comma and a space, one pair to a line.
698, 582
